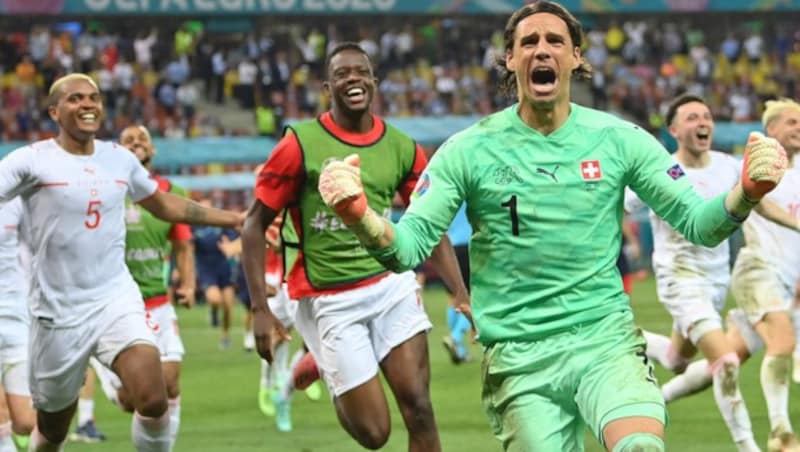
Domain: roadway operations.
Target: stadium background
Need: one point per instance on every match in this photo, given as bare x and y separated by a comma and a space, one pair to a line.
215, 81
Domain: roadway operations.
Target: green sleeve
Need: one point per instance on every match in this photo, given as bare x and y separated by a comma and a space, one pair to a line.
656, 179
436, 199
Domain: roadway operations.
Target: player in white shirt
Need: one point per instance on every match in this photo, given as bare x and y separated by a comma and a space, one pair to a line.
692, 280
14, 325
83, 300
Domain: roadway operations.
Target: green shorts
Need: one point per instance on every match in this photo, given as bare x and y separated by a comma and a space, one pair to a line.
540, 395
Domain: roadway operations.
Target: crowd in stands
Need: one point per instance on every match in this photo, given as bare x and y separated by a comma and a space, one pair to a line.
426, 66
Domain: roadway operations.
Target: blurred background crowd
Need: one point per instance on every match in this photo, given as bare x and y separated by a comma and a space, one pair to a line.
183, 79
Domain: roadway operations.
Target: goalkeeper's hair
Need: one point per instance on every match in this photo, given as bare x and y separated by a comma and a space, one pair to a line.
508, 81
54, 94
679, 101
348, 45
774, 108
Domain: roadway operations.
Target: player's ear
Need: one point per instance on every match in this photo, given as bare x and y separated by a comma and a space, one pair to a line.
673, 131
52, 110
511, 63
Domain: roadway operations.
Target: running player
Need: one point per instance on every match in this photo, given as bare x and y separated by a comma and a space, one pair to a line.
561, 347
692, 280
354, 316
83, 300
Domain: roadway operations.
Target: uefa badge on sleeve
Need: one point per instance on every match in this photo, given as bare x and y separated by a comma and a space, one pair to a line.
423, 184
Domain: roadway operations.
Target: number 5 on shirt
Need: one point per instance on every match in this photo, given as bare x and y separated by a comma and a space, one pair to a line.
93, 212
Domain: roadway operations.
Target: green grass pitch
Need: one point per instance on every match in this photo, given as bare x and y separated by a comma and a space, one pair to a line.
220, 413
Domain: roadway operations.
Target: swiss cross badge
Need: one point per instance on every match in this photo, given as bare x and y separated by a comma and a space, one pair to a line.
590, 170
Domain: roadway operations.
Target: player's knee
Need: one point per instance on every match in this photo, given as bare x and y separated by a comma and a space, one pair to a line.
640, 442
152, 404
417, 411
23, 425
373, 435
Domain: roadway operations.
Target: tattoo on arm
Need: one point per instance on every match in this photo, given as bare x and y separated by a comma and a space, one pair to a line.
195, 213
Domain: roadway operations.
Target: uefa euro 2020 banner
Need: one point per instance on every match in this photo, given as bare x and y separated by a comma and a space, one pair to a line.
248, 7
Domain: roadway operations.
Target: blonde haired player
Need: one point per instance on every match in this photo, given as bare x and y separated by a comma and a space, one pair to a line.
83, 300
763, 284
692, 280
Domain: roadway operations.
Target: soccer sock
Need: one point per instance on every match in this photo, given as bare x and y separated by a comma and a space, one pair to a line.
151, 434
174, 419
280, 364
775, 384
694, 379
6, 441
725, 374
39, 443
265, 374
85, 411
659, 348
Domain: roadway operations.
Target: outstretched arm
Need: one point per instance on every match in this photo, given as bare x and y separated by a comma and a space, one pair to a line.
177, 209
776, 214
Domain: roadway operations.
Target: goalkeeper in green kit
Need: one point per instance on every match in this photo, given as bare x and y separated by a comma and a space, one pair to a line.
543, 181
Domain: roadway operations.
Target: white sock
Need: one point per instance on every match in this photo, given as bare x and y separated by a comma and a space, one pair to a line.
151, 434
725, 374
174, 419
6, 441
265, 374
659, 348
775, 384
38, 443
694, 379
85, 411
280, 365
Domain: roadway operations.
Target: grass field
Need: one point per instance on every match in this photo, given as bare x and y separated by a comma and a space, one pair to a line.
220, 412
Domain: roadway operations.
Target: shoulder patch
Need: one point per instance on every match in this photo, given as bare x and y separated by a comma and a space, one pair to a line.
676, 172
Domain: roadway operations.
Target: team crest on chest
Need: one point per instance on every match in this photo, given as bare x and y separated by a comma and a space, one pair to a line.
590, 170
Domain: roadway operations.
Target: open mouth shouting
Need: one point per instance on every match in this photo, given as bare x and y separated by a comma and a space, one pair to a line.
543, 80
703, 136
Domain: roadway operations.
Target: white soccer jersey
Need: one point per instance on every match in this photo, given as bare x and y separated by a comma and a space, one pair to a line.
673, 255
776, 244
74, 207
13, 280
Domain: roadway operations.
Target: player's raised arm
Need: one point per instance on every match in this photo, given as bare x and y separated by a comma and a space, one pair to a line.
404, 245
661, 184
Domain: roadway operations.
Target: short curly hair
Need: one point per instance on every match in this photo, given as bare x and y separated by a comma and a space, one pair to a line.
508, 80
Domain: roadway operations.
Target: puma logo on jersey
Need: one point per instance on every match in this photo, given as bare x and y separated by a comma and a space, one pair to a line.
548, 173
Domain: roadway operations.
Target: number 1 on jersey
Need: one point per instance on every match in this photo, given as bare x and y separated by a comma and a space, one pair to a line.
93, 211
512, 206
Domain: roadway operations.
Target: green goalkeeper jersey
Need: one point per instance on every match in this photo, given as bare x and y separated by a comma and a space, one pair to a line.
546, 213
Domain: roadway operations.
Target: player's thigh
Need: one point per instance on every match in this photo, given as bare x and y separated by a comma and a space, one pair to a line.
399, 315
528, 392
339, 339
776, 329
617, 380
212, 294
58, 359
757, 289
22, 414
531, 421
694, 305
741, 335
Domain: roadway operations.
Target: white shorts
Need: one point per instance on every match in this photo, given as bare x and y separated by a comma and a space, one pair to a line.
757, 288
164, 322
694, 305
59, 356
284, 308
14, 356
351, 332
